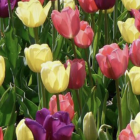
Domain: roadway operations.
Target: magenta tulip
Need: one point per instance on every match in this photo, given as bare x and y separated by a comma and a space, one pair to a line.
85, 36
134, 52
66, 22
77, 73
113, 61
88, 6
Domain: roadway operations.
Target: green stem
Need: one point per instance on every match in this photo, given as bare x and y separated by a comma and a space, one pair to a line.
59, 8
106, 28
39, 86
73, 47
92, 21
36, 35
79, 101
115, 19
119, 103
90, 75
58, 103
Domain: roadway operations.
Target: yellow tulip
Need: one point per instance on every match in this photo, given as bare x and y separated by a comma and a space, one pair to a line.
109, 10
128, 30
23, 132
135, 125
2, 68
89, 127
131, 4
134, 75
69, 3
31, 13
54, 76
36, 55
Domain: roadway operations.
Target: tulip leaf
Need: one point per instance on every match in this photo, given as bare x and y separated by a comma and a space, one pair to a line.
75, 136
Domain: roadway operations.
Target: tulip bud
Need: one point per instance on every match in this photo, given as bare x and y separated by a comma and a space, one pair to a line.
2, 68
134, 75
54, 76
36, 55
69, 3
1, 134
89, 127
23, 132
109, 10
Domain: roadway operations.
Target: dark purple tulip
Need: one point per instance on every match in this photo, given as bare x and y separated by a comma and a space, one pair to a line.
4, 7
105, 4
51, 127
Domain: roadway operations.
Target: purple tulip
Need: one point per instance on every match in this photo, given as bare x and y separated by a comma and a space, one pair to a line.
4, 7
105, 4
51, 127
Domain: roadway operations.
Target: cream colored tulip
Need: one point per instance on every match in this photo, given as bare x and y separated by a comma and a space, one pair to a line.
128, 30
2, 70
109, 10
131, 4
69, 3
134, 75
135, 125
23, 132
55, 77
36, 55
31, 13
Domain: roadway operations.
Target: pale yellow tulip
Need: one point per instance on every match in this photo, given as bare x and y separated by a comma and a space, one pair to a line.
2, 70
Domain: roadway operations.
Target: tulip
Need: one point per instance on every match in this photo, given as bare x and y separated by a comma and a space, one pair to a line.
66, 104
127, 134
1, 134
69, 3
66, 22
2, 68
88, 6
84, 37
131, 4
89, 127
136, 14
77, 73
4, 7
51, 127
55, 77
128, 30
105, 4
31, 13
36, 55
134, 52
23, 132
135, 126
42, 1
134, 75
112, 60
109, 10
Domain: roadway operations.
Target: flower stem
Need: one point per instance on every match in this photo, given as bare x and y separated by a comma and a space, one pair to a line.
36, 35
58, 103
73, 47
106, 28
79, 101
39, 86
119, 103
59, 8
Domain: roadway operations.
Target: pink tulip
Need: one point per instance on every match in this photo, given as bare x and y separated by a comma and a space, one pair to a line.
66, 104
127, 134
88, 6
77, 73
66, 22
134, 52
112, 60
1, 134
85, 36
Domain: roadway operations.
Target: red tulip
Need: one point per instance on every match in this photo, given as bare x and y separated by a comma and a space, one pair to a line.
77, 73
134, 52
136, 14
1, 134
66, 22
112, 60
66, 104
85, 36
42, 1
88, 6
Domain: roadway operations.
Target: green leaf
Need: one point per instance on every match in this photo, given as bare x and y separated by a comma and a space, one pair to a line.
75, 136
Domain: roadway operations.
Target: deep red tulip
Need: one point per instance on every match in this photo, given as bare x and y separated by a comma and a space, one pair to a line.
112, 60
66, 22
42, 1
134, 52
1, 134
77, 73
66, 104
136, 14
105, 4
85, 36
88, 6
